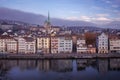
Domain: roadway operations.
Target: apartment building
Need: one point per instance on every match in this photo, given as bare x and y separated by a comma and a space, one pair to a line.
114, 44
43, 44
81, 44
65, 44
102, 43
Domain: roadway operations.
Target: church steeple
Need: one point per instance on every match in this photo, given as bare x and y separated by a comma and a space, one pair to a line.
47, 24
47, 21
48, 17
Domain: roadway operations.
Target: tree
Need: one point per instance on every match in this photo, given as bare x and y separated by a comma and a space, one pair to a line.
90, 38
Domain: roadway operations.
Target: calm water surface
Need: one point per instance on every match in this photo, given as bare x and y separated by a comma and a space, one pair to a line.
80, 69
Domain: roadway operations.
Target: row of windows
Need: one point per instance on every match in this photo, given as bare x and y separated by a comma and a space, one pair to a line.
43, 43
116, 47
66, 48
117, 42
103, 48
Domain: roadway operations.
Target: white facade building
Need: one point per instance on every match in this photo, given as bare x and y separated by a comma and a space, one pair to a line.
30, 45
102, 43
26, 45
65, 44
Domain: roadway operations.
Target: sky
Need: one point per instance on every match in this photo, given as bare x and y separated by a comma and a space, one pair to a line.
97, 11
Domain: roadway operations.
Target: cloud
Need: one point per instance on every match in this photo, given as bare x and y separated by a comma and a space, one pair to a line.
113, 3
116, 11
85, 18
102, 15
97, 17
96, 7
111, 10
103, 19
107, 1
115, 6
81, 18
73, 18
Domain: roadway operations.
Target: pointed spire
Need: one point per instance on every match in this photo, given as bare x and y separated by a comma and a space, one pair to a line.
48, 17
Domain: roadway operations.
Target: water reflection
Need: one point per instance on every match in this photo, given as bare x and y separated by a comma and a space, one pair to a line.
114, 64
61, 65
102, 66
43, 65
85, 69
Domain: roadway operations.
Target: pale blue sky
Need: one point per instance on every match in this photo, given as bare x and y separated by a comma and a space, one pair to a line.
87, 10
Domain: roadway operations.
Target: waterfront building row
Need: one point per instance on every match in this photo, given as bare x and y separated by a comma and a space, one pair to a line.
58, 44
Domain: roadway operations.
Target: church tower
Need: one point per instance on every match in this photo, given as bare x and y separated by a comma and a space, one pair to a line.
47, 24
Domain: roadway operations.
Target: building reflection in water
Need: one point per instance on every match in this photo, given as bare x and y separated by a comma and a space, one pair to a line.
83, 63
114, 64
61, 65
43, 65
101, 65
26, 64
105, 65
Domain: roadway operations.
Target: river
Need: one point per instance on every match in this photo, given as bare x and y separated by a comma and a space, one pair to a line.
60, 69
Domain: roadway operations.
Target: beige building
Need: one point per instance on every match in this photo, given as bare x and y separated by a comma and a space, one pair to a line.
81, 45
8, 44
21, 45
12, 46
43, 44
2, 45
91, 49
114, 44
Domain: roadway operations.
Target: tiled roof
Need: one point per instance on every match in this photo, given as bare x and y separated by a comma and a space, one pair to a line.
114, 37
5, 37
28, 39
